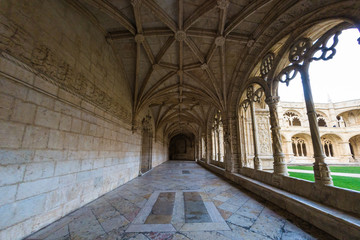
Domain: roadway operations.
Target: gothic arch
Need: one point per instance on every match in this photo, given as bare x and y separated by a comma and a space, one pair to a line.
334, 147
254, 126
354, 145
292, 117
301, 147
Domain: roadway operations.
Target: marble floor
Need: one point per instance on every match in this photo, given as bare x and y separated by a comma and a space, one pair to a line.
179, 200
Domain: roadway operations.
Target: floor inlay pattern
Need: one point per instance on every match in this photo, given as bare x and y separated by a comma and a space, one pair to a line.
179, 200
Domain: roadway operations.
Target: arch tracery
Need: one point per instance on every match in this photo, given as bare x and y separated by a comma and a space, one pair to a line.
300, 54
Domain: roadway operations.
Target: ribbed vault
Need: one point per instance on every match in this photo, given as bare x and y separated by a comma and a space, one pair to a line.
184, 58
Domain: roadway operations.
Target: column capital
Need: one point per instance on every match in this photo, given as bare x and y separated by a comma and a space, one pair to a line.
272, 100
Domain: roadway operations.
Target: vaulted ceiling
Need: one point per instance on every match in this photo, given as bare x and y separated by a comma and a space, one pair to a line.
181, 56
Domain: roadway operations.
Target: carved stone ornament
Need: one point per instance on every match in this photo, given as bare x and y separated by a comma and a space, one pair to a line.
267, 64
146, 123
326, 53
299, 49
250, 92
204, 66
219, 41
245, 104
288, 74
139, 38
180, 35
257, 95
250, 43
223, 4
50, 66
156, 67
136, 2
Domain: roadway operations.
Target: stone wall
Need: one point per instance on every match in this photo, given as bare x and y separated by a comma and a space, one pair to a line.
57, 156
61, 43
65, 117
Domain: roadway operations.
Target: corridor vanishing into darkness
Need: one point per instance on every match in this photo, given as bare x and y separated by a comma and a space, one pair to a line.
179, 200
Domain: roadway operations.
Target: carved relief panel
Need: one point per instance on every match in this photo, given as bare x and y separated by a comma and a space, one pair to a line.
264, 132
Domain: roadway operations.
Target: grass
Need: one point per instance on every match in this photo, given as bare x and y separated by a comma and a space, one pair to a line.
332, 169
339, 181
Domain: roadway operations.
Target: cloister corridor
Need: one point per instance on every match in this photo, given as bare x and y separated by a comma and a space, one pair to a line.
164, 119
180, 200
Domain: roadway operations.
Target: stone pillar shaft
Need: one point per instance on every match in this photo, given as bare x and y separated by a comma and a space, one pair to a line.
321, 169
257, 162
230, 165
280, 167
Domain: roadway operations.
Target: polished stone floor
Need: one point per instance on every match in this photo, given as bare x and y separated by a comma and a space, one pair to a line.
179, 200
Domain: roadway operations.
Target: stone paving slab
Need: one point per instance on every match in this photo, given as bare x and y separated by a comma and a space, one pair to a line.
234, 212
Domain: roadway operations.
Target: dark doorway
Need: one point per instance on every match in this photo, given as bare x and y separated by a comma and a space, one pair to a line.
182, 147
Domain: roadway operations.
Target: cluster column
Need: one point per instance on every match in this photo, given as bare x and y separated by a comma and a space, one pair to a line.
321, 169
257, 162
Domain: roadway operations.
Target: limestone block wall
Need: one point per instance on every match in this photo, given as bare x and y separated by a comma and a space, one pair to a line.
56, 157
65, 114
160, 153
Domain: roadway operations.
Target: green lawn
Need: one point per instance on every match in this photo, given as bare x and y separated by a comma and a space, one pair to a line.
332, 169
339, 181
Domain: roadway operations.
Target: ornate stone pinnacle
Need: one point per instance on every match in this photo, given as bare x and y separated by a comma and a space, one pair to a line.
156, 66
180, 35
204, 66
219, 41
223, 4
139, 38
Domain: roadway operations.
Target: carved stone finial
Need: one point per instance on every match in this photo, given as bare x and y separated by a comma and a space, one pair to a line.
219, 41
180, 35
204, 66
223, 4
139, 38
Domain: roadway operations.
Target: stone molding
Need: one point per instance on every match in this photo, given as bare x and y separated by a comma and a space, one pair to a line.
6, 57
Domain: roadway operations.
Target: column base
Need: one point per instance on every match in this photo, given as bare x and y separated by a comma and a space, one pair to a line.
322, 174
280, 168
257, 163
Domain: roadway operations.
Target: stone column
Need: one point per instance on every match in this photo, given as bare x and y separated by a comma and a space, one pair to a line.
218, 155
242, 140
321, 169
346, 152
257, 162
229, 164
289, 154
280, 167
208, 143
